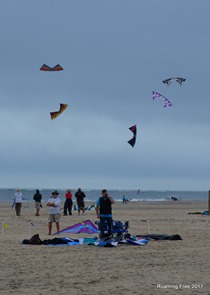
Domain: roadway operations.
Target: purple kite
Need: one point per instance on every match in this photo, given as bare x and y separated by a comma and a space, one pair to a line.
157, 95
84, 227
179, 80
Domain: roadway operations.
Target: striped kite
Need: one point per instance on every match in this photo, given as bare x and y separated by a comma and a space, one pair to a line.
56, 114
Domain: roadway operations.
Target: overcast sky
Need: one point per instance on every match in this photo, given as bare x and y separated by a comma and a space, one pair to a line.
114, 54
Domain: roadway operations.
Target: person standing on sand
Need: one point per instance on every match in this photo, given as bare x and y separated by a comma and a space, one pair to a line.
54, 212
18, 201
68, 203
80, 195
104, 212
37, 198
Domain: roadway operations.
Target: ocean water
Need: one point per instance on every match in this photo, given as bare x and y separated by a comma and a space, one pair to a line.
7, 195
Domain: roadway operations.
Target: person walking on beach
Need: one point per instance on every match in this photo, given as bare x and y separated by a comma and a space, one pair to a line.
18, 201
54, 212
124, 200
104, 212
37, 198
68, 203
80, 195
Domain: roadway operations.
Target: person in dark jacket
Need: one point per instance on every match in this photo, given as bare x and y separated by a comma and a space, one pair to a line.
37, 198
80, 195
104, 212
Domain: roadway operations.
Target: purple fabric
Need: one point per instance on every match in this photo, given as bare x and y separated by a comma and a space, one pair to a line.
84, 227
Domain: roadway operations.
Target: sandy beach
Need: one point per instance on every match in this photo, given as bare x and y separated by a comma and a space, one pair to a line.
160, 267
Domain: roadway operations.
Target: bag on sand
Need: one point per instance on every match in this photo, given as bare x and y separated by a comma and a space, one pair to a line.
34, 240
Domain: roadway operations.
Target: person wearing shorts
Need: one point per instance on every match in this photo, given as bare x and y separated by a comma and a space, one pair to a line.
54, 212
37, 198
80, 195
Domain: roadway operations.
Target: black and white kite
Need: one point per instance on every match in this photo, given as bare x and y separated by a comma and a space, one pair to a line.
179, 80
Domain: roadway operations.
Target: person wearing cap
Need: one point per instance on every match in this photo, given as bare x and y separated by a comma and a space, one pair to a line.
68, 203
54, 211
104, 212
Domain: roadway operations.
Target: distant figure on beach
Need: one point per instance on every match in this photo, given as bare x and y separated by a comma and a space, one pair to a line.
18, 201
37, 198
104, 212
80, 195
175, 199
124, 200
68, 203
54, 211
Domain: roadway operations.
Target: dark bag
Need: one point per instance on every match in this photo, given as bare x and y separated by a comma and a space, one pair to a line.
34, 240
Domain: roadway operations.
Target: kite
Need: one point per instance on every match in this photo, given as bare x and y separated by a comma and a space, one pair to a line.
132, 141
46, 68
84, 227
157, 95
56, 114
179, 80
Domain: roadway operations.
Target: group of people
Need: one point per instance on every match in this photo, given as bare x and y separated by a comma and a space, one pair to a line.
79, 195
103, 208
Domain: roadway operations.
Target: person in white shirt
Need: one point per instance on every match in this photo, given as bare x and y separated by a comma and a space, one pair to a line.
54, 212
18, 201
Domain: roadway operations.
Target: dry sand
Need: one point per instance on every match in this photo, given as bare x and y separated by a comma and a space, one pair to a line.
160, 267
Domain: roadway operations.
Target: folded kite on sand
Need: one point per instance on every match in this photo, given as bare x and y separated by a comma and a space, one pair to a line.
104, 242
83, 227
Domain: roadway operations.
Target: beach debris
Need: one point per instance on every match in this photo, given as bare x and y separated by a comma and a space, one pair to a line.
54, 115
202, 213
166, 101
4, 226
132, 141
169, 80
158, 237
30, 224
46, 68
